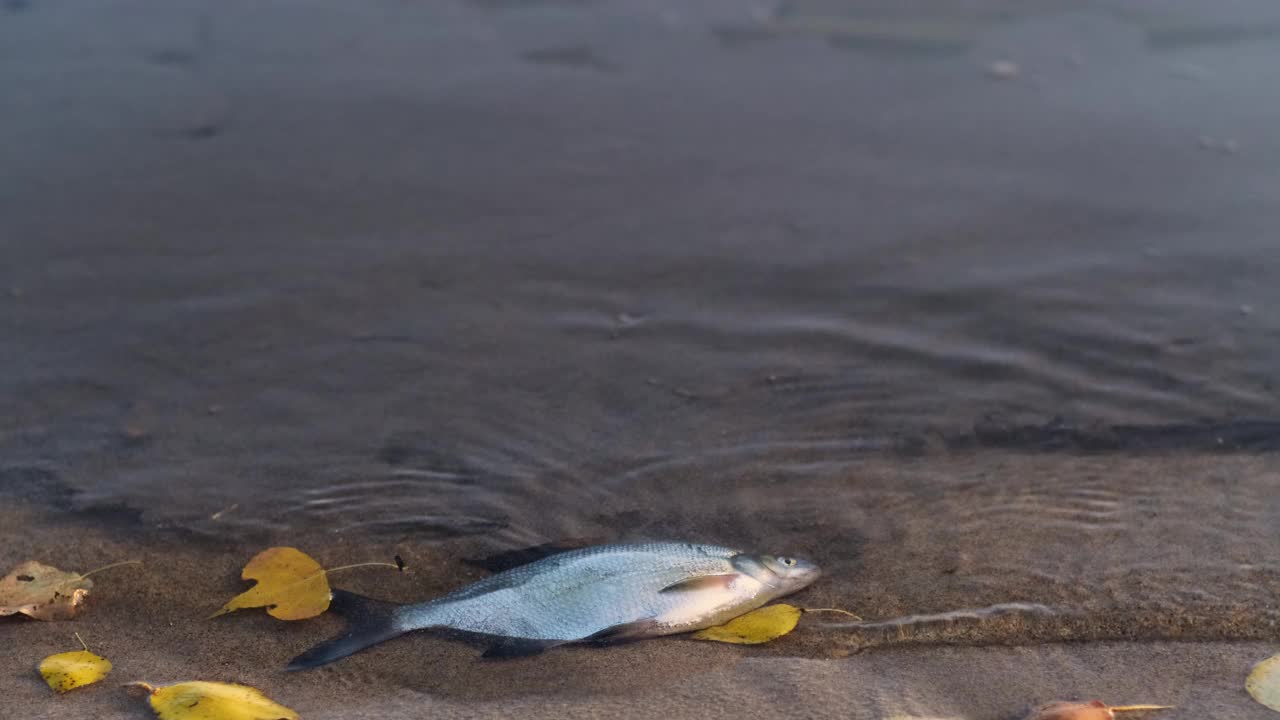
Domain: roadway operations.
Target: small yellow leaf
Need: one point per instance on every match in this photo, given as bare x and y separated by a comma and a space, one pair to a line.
43, 592
1264, 682
756, 627
70, 670
290, 584
199, 700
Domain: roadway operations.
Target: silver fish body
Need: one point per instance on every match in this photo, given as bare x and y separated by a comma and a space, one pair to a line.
607, 592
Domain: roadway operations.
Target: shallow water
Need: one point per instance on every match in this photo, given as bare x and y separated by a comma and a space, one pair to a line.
467, 277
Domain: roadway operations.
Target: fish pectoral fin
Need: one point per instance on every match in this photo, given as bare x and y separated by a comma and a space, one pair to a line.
702, 582
513, 647
623, 633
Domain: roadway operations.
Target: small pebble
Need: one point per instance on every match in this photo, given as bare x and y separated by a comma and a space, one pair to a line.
1189, 71
1003, 70
134, 431
1226, 147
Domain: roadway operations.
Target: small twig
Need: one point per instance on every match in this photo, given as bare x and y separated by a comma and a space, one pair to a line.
1139, 708
82, 642
674, 390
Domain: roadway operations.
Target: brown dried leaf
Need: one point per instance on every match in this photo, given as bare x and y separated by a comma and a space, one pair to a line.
43, 592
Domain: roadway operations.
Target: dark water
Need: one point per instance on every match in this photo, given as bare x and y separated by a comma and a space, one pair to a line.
803, 274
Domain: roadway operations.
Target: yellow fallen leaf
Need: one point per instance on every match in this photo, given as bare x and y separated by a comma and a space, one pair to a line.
70, 670
44, 592
763, 625
290, 584
199, 700
1264, 682
756, 627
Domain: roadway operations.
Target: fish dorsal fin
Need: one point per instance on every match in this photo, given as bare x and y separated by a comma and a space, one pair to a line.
703, 582
498, 562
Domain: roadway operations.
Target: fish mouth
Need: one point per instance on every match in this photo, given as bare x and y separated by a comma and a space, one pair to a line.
803, 578
792, 583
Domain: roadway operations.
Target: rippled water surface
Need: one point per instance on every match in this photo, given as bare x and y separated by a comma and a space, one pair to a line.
997, 344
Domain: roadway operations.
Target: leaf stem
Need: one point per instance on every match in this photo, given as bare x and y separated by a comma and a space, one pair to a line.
835, 610
108, 567
1139, 708
82, 643
326, 571
364, 564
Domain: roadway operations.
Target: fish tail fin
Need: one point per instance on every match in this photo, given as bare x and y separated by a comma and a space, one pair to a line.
369, 622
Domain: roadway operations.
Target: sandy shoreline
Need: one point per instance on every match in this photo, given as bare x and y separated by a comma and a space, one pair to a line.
151, 623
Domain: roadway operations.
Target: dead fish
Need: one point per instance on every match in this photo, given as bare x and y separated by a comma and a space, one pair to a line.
604, 593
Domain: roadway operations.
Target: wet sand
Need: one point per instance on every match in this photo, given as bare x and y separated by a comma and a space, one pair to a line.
1072, 616
449, 279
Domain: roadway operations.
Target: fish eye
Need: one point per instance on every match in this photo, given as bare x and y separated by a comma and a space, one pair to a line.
789, 562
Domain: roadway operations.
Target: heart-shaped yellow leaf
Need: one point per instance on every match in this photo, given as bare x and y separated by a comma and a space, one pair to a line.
290, 584
201, 700
756, 627
1264, 682
70, 670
